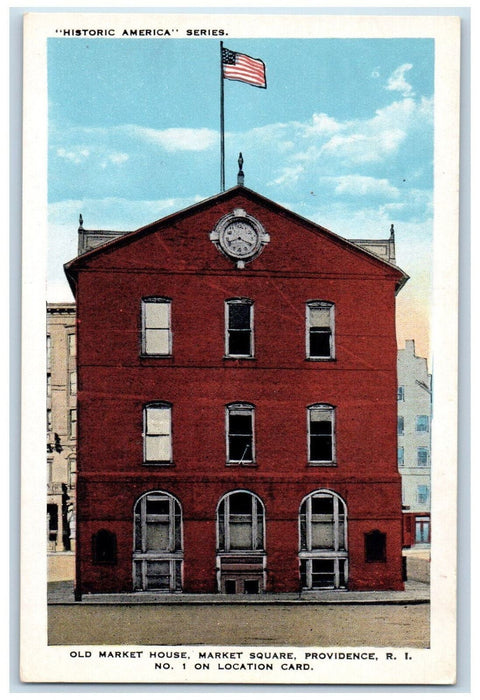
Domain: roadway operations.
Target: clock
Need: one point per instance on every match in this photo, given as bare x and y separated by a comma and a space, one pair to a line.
240, 239
239, 236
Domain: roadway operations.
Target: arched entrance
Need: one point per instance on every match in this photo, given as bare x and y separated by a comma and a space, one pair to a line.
241, 556
158, 545
323, 541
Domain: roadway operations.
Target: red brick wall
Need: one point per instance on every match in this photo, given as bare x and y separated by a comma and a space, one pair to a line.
115, 382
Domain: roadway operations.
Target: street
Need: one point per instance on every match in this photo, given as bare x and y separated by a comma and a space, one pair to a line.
402, 625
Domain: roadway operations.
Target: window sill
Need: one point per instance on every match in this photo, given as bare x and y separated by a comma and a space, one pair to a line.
321, 359
252, 465
235, 358
143, 356
322, 464
160, 465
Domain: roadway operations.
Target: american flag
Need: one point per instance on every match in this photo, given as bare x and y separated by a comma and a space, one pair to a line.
239, 66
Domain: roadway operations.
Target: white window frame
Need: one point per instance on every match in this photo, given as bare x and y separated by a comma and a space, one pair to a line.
253, 520
336, 553
401, 456
72, 382
242, 408
49, 350
251, 330
318, 304
331, 409
155, 405
168, 305
171, 555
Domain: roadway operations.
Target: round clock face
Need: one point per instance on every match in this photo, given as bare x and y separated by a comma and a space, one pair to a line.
240, 239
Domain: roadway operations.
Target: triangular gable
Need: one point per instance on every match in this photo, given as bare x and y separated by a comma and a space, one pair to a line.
176, 218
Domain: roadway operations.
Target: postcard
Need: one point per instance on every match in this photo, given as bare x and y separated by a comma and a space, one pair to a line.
240, 246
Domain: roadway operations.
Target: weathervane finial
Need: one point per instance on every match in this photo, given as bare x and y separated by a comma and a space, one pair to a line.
241, 175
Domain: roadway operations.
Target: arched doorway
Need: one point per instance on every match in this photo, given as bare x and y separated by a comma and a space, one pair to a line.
158, 545
241, 556
323, 541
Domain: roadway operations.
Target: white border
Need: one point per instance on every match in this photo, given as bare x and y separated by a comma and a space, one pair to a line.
437, 665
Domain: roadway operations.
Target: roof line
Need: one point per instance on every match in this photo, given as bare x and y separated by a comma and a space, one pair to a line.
121, 240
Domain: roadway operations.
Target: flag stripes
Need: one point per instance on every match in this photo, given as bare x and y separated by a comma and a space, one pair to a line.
239, 66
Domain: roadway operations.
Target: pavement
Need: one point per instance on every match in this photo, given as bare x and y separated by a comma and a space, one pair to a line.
416, 592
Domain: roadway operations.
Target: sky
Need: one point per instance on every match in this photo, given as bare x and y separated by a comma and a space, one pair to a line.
343, 135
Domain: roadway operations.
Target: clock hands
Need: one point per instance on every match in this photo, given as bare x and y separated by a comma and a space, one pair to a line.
245, 237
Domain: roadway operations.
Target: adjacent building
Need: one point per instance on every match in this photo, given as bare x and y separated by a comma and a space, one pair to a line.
236, 406
414, 443
61, 389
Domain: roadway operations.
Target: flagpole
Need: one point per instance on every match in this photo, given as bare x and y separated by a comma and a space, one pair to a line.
222, 125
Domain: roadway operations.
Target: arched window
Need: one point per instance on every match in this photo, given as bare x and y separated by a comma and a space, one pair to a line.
241, 556
158, 547
323, 541
240, 522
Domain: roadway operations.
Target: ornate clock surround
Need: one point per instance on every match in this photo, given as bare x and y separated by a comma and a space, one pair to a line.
240, 237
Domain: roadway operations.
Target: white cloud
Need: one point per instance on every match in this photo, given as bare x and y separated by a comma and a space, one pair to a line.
398, 82
114, 159
176, 139
112, 213
118, 158
288, 175
370, 221
364, 141
362, 186
74, 155
322, 124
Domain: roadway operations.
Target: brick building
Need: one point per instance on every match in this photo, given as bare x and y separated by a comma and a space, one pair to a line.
236, 406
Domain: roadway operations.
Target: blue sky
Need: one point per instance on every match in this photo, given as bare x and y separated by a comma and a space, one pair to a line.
343, 135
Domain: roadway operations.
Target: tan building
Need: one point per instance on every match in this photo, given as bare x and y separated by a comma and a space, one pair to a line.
61, 426
414, 443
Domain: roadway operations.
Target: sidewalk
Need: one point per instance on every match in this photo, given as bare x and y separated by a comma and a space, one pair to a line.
61, 593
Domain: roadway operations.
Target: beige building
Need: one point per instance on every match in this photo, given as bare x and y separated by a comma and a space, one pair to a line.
61, 426
414, 443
